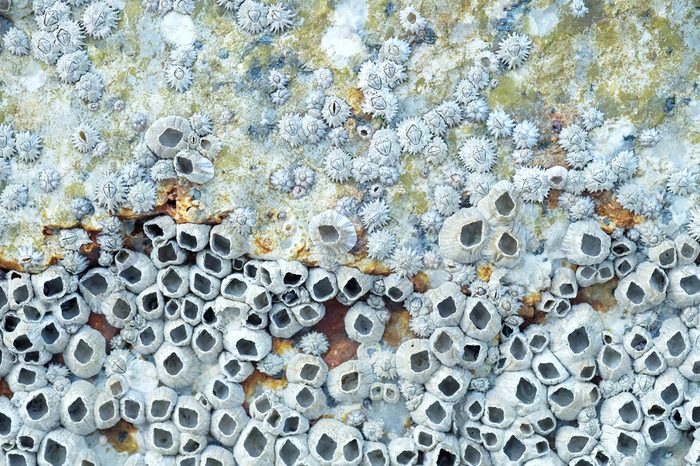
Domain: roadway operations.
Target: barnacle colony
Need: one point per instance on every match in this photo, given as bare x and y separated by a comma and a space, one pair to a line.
377, 253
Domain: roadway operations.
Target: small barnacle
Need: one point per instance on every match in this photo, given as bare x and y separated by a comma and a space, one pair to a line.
105, 259
277, 80
143, 156
431, 221
693, 225
53, 16
373, 430
422, 325
478, 185
380, 244
450, 112
16, 41
392, 74
477, 154
252, 16
90, 87
280, 96
312, 128
14, 196
338, 165
389, 176
110, 242
578, 8
364, 169
435, 151
99, 20
395, 49
5, 169
355, 417
49, 179
27, 146
85, 137
384, 364
532, 183
578, 159
290, 130
405, 261
624, 165
162, 170
369, 78
282, 180
29, 257
183, 55
109, 191
381, 104
476, 110
324, 77
581, 208
348, 206
432, 260
591, 118
304, 176
142, 196
514, 49
111, 226
335, 111
522, 157
74, 262
7, 141
271, 365
682, 182
185, 7
384, 148
466, 92
40, 6
446, 199
81, 208
478, 76
279, 18
525, 135
599, 176
413, 134
435, 122
72, 66
575, 182
201, 123
44, 47
131, 173
631, 196
314, 343
374, 215
573, 138
179, 77
229, 5
242, 219
412, 21
499, 123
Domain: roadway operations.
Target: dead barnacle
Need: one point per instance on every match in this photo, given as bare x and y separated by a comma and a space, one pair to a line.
514, 49
14, 196
16, 41
29, 257
412, 21
28, 146
49, 179
314, 343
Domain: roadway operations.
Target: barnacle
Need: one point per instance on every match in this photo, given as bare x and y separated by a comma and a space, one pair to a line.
392, 74
72, 66
591, 118
525, 135
304, 176
277, 80
252, 16
282, 180
682, 182
436, 151
16, 41
28, 146
632, 197
29, 257
280, 96
183, 55
314, 343
279, 18
375, 215
476, 110
411, 20
201, 123
324, 77
162, 170
413, 135
380, 244
531, 183
477, 154
7, 141
49, 179
514, 49
186, 7
599, 176
499, 123
242, 219
369, 78
447, 199
338, 165
382, 104
74, 262
395, 49
90, 87
578, 159
99, 20
693, 225
82, 207
578, 8
85, 137
109, 191
405, 261
179, 77
335, 111
364, 169
431, 221
142, 196
573, 138
229, 5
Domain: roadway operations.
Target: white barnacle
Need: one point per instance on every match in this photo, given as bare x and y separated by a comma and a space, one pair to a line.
466, 92
49, 179
277, 80
624, 165
446, 199
335, 111
392, 74
85, 137
431, 221
252, 16
14, 196
632, 197
162, 170
314, 343
338, 165
364, 169
332, 231
179, 77
16, 41
578, 159
382, 104
413, 134
99, 20
27, 146
578, 8
229, 5
591, 118
478, 76
477, 154
514, 49
304, 176
682, 182
52, 16
280, 96
450, 112
599, 176
201, 123
525, 135
282, 180
369, 78
279, 18
435, 151
476, 110
312, 128
68, 36
183, 55
693, 225
531, 183
290, 129
72, 66
45, 47
380, 244
412, 21
185, 7
90, 87
142, 196
7, 141
109, 191
499, 123
395, 49
580, 208
375, 215
573, 138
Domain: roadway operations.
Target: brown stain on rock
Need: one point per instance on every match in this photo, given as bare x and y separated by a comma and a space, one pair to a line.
340, 347
421, 282
121, 437
99, 323
262, 245
5, 389
599, 296
258, 380
608, 207
355, 99
484, 272
396, 330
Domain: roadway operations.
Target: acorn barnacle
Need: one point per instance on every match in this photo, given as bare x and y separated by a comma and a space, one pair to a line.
591, 118
185, 7
436, 151
395, 49
693, 225
578, 159
179, 77
72, 66
5, 169
450, 112
624, 165
405, 261
599, 176
49, 179
183, 55
68, 36
324, 77
531, 183
381, 104
369, 78
281, 179
412, 21
649, 137
578, 8
631, 196
413, 134
201, 123
392, 74
109, 191
280, 96
277, 79
380, 244
682, 182
90, 87
476, 110
374, 215
312, 128
16, 41
573, 138
229, 5
514, 49
142, 196
252, 16
477, 154
242, 220
44, 47
14, 196
525, 135
7, 141
479, 77
28, 146
53, 15
466, 92
99, 20
338, 165
446, 199
499, 123
385, 147
364, 169
335, 111
29, 257
279, 18
314, 343
431, 221
85, 137
74, 262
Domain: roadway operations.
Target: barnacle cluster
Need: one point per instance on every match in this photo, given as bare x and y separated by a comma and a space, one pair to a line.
388, 264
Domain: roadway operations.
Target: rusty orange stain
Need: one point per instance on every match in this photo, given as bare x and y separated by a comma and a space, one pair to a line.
421, 282
553, 199
5, 389
99, 323
396, 330
340, 347
355, 99
263, 245
258, 379
121, 437
532, 298
281, 345
599, 296
608, 206
484, 272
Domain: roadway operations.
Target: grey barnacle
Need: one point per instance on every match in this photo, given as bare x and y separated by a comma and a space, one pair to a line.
481, 384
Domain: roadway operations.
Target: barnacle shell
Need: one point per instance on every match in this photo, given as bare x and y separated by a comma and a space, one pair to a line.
463, 235
167, 136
